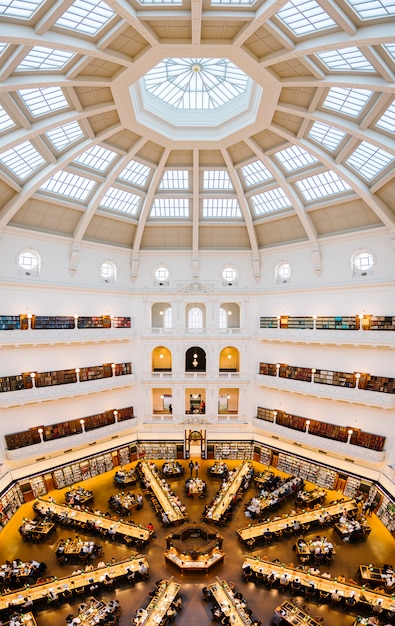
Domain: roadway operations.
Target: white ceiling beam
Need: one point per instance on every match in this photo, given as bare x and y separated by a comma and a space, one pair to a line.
262, 15
35, 182
134, 264
9, 66
109, 179
361, 189
196, 19
25, 35
339, 16
126, 11
52, 14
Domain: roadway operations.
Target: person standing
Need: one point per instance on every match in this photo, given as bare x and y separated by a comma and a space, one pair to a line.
197, 466
191, 466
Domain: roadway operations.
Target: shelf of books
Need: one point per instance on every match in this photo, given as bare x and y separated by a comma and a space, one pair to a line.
233, 450
322, 476
10, 501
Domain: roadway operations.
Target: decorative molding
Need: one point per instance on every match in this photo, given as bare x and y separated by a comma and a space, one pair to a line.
350, 338
197, 288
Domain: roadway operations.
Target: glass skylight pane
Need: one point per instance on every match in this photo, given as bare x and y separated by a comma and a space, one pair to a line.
3, 47
293, 158
160, 2
64, 135
369, 160
22, 160
86, 16
387, 120
41, 101
175, 179
305, 17
216, 179
97, 158
197, 84
321, 186
136, 173
121, 200
328, 136
22, 9
221, 207
371, 9
170, 207
272, 200
345, 59
233, 2
40, 58
70, 185
347, 101
5, 120
390, 48
255, 173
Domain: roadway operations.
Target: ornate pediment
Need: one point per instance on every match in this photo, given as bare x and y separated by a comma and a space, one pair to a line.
195, 288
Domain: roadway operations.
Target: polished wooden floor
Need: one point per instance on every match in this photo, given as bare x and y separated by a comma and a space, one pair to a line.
379, 548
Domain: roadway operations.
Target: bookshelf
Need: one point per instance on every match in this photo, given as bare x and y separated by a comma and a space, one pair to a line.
157, 450
381, 384
323, 429
381, 322
96, 321
322, 476
300, 323
59, 377
10, 322
65, 429
339, 322
352, 486
339, 379
268, 322
268, 369
296, 373
386, 513
233, 450
10, 501
121, 322
48, 322
122, 369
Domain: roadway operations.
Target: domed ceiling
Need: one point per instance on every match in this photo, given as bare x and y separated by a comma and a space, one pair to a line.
196, 124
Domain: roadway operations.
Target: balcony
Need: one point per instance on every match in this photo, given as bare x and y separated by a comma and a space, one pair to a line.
353, 395
331, 447
33, 338
79, 441
71, 390
350, 338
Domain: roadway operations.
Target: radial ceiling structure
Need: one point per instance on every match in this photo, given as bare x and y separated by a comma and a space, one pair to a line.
197, 124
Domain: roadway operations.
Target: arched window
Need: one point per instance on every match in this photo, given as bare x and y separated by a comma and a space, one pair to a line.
168, 317
195, 318
362, 263
229, 275
161, 275
29, 262
283, 273
108, 272
223, 318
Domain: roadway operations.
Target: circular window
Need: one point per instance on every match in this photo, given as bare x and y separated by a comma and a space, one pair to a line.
29, 261
162, 274
363, 262
284, 272
107, 271
229, 274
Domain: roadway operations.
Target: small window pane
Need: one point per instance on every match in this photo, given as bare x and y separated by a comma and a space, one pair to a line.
363, 261
195, 318
284, 271
28, 260
162, 273
107, 270
229, 274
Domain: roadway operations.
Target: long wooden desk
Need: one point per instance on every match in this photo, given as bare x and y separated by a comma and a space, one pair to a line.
373, 575
367, 596
27, 619
165, 498
256, 531
36, 528
38, 592
307, 498
293, 615
225, 496
95, 613
97, 522
229, 605
159, 605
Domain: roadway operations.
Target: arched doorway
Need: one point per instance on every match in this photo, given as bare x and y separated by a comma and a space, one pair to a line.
195, 444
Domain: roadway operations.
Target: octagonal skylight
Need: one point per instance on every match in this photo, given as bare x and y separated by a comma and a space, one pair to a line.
198, 93
196, 84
